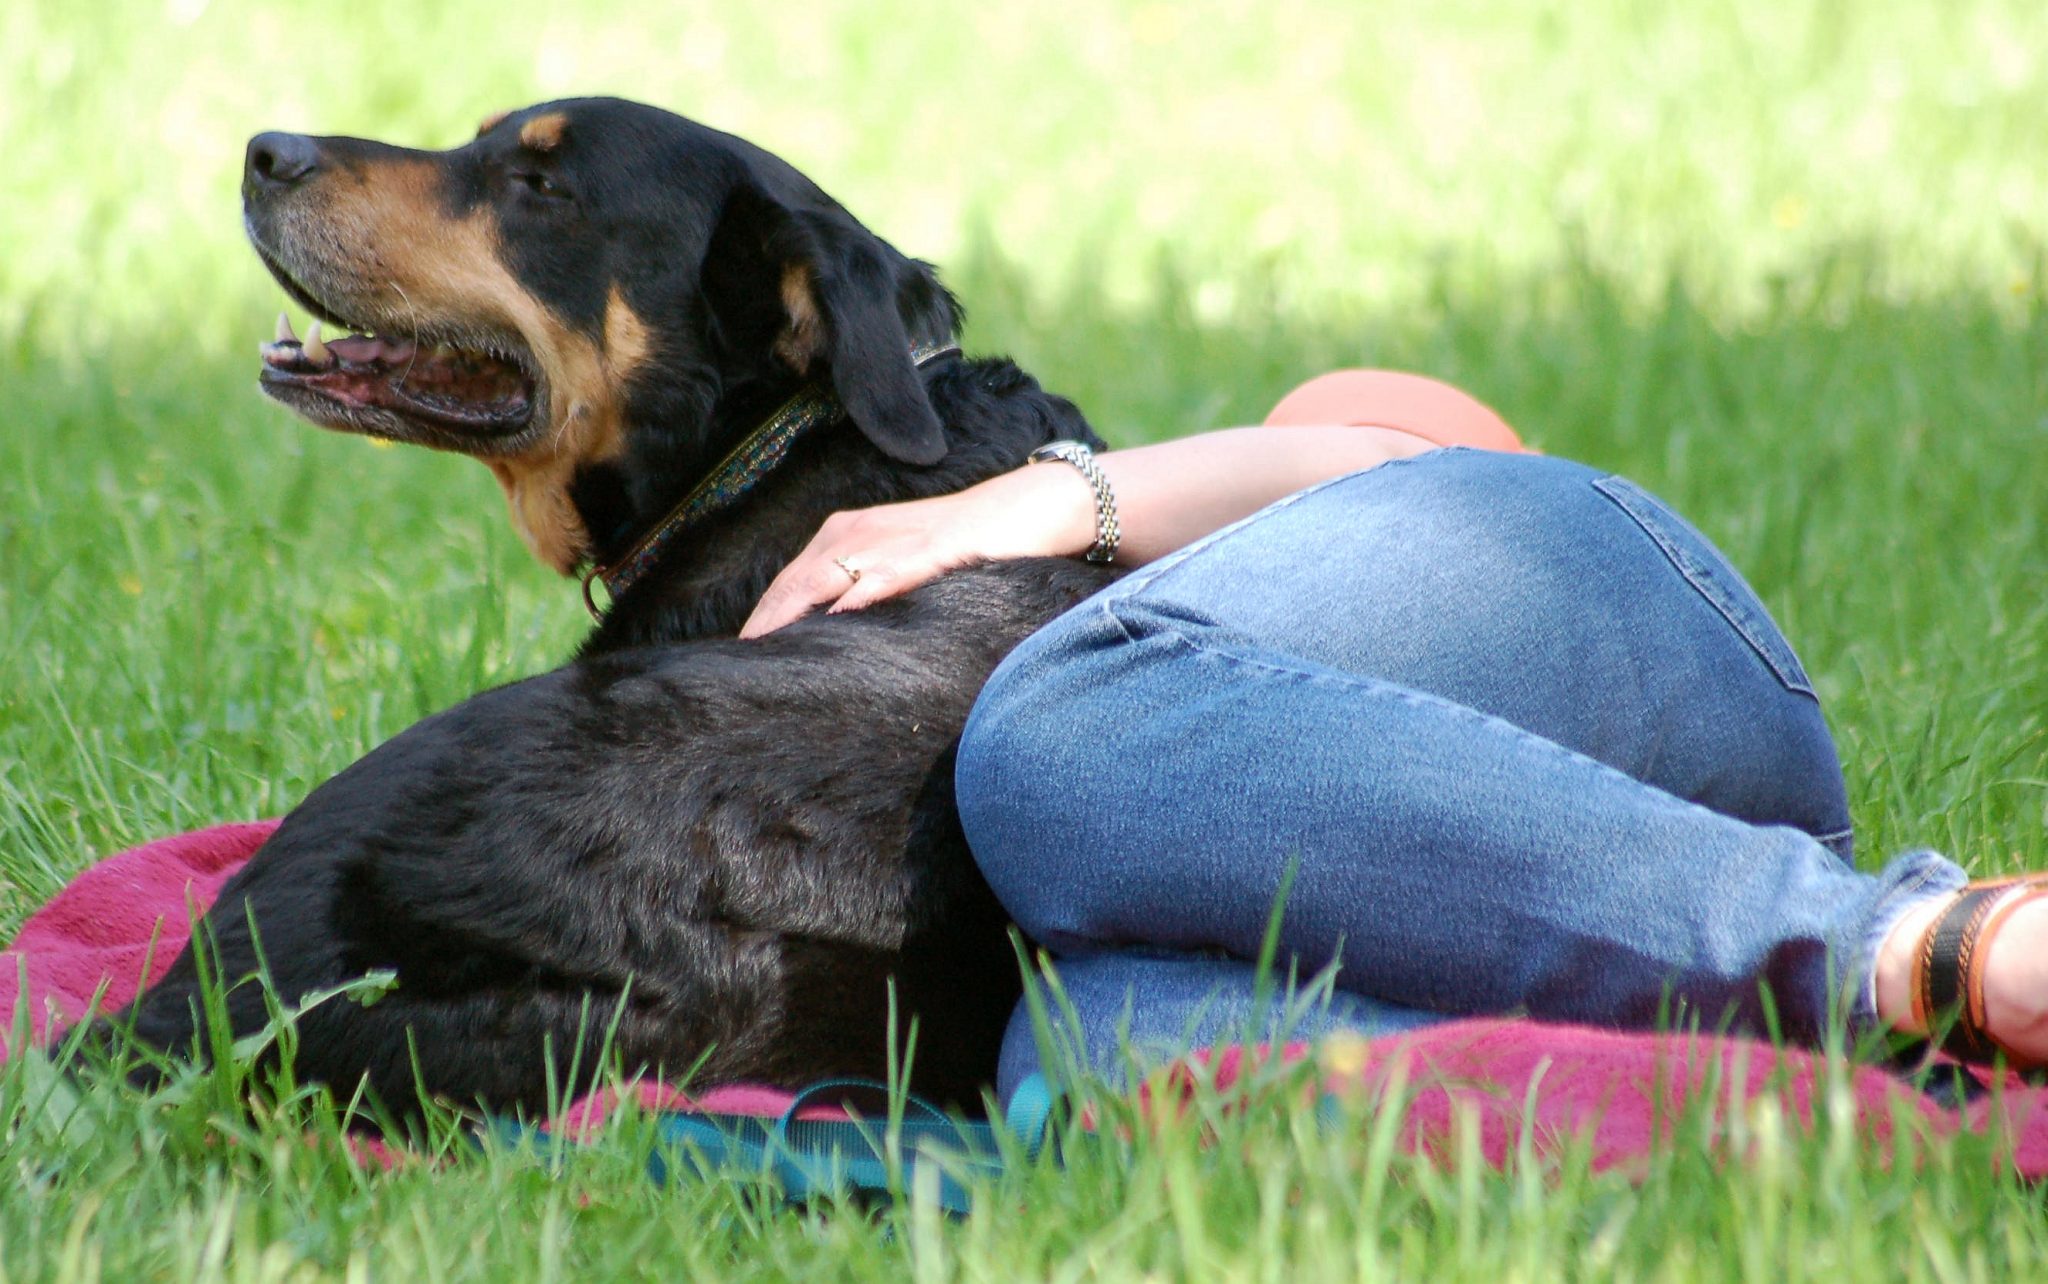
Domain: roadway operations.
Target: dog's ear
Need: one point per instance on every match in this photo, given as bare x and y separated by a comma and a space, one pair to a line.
827, 296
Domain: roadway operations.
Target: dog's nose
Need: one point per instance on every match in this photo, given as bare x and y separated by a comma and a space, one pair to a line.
279, 160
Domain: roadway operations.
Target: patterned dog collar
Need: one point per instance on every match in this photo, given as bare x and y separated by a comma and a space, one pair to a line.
739, 472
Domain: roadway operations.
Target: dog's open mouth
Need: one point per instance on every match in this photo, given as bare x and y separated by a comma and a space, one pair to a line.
438, 384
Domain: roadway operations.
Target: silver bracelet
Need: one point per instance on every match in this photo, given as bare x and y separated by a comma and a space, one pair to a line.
1107, 533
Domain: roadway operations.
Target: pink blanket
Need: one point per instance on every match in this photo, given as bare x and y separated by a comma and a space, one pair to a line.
121, 922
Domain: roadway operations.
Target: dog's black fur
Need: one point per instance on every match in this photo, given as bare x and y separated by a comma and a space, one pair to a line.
735, 846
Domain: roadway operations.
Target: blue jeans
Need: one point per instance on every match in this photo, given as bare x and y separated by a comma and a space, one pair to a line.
1526, 740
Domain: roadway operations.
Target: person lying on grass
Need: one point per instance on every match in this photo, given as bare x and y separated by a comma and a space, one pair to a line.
1525, 737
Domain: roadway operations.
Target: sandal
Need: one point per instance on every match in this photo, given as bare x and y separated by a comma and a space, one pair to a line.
1948, 970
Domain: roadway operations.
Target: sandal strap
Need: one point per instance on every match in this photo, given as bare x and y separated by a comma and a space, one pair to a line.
1948, 973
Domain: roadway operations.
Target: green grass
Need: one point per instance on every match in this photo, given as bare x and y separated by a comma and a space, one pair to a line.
1783, 263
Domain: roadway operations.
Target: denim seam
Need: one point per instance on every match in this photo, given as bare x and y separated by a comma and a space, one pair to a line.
1108, 608
1704, 581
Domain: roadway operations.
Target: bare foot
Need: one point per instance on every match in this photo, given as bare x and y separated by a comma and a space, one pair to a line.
2015, 977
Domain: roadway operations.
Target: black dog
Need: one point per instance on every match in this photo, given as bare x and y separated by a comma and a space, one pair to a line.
733, 848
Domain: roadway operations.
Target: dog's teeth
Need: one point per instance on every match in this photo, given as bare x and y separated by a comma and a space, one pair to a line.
316, 351
284, 329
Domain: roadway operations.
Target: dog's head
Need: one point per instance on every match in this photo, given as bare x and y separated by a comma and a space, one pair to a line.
571, 295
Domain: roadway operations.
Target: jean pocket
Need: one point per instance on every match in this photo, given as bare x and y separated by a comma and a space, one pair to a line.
1709, 572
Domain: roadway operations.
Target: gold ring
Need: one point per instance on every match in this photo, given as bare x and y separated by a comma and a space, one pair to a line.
852, 572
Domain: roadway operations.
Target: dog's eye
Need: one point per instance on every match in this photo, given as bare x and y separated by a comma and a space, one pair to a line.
542, 184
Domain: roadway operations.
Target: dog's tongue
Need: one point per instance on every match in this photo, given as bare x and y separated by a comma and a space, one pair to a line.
362, 349
286, 352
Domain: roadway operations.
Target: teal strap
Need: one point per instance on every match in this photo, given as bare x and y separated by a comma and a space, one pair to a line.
1029, 1114
842, 1158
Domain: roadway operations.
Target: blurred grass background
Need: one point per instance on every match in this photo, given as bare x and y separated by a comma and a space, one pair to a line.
1782, 262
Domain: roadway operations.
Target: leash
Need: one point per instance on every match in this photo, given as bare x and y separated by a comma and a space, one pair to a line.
742, 469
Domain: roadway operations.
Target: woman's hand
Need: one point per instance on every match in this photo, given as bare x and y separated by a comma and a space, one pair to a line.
863, 555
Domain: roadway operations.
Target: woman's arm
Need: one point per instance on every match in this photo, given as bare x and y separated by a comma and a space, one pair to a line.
1167, 496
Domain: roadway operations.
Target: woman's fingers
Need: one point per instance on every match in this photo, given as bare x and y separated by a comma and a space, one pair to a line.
877, 581
843, 574
801, 586
809, 582
860, 557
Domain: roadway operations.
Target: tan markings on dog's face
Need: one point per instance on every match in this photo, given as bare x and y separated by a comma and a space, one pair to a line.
627, 340
445, 269
537, 482
543, 133
801, 340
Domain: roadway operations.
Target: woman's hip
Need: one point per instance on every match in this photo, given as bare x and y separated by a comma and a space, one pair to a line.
1562, 599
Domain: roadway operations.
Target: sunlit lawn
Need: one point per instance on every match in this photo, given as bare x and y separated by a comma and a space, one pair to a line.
1782, 263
